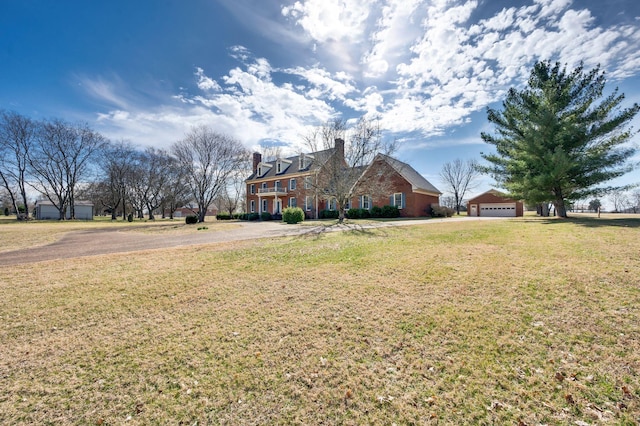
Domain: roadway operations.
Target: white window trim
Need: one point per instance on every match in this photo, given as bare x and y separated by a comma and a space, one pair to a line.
253, 188
293, 202
292, 184
253, 206
368, 199
399, 206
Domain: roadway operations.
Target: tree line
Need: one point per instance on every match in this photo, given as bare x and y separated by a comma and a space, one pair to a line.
63, 162
556, 141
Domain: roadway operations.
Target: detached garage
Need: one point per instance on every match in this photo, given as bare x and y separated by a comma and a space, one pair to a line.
494, 203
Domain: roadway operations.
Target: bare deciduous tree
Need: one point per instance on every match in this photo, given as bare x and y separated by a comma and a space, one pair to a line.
149, 180
458, 177
338, 177
62, 158
208, 159
117, 166
176, 190
233, 195
635, 201
17, 137
619, 200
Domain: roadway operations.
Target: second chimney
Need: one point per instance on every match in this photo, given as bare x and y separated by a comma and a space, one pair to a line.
257, 159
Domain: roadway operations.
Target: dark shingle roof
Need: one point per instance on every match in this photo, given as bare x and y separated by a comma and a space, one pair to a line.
291, 164
416, 180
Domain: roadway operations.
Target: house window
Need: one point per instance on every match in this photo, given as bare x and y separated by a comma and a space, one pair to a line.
307, 203
253, 188
265, 206
307, 182
259, 171
397, 199
277, 185
253, 206
347, 205
293, 202
332, 204
365, 202
264, 185
292, 184
279, 167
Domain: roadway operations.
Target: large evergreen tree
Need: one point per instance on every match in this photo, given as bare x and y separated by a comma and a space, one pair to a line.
556, 140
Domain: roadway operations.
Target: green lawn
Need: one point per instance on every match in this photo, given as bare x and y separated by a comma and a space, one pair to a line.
526, 321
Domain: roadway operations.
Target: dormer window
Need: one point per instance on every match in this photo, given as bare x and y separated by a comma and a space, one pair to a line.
263, 169
304, 161
282, 165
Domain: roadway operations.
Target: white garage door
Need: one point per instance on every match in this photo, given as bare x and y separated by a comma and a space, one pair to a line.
498, 209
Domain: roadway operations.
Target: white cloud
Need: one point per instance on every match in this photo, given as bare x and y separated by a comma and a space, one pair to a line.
331, 20
105, 90
206, 83
422, 66
396, 29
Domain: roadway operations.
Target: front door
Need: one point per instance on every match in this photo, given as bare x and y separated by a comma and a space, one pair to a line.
474, 210
277, 206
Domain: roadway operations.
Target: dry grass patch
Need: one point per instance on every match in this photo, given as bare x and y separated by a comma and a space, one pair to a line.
510, 322
20, 235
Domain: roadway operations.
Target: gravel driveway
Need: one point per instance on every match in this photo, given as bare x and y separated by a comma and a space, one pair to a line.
101, 241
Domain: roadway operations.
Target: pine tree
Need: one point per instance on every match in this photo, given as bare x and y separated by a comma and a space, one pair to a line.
556, 140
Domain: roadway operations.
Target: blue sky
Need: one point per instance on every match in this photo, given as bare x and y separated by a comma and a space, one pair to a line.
148, 70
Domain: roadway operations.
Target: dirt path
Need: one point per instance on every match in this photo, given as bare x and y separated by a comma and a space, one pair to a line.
101, 241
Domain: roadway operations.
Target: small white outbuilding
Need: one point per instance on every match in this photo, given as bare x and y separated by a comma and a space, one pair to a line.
45, 210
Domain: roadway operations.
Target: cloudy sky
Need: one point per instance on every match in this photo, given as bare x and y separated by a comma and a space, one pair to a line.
267, 71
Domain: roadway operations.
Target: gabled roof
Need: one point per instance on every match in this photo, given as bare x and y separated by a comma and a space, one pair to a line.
493, 192
290, 164
417, 181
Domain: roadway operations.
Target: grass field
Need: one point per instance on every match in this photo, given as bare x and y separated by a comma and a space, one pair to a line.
521, 322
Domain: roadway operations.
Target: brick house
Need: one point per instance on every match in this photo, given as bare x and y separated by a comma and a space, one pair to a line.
407, 188
494, 203
289, 182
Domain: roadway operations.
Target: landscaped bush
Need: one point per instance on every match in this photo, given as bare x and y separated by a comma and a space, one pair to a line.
248, 216
441, 211
223, 216
358, 213
329, 214
390, 211
266, 216
292, 215
191, 219
353, 213
376, 211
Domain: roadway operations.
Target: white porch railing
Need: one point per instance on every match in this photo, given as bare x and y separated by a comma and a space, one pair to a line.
272, 190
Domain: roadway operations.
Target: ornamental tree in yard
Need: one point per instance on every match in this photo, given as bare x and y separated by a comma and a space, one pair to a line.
558, 140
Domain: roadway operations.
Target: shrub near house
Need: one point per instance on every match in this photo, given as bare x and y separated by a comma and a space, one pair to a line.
292, 215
